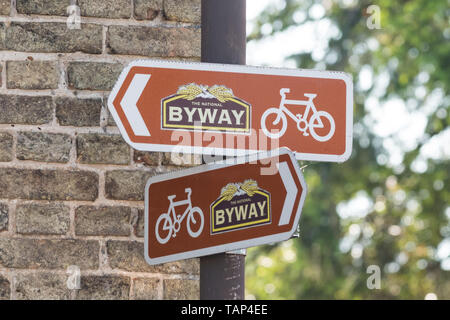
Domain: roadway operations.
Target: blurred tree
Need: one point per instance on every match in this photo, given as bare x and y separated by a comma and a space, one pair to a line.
388, 205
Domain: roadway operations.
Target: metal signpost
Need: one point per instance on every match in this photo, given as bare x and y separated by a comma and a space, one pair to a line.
224, 40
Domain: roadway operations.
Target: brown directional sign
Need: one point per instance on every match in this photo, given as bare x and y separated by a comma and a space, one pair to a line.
214, 108
223, 206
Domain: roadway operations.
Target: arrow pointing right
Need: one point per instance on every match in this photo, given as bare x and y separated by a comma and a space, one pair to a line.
291, 192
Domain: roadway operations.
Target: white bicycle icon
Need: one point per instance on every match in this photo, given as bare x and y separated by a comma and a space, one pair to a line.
303, 124
170, 222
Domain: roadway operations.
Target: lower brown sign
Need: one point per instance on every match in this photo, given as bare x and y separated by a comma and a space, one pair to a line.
222, 207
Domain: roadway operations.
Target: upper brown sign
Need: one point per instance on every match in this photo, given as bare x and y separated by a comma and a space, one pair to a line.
213, 108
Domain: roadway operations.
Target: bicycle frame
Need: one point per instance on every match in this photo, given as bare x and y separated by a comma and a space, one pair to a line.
304, 124
174, 204
171, 222
308, 103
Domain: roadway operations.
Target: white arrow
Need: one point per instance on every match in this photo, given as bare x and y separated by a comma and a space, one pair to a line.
291, 192
129, 104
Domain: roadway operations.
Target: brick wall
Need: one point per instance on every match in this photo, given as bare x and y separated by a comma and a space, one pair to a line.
71, 190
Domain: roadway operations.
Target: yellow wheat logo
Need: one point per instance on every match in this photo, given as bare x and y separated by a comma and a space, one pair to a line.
192, 91
231, 189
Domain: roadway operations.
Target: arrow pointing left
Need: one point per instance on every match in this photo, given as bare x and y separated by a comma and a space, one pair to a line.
129, 104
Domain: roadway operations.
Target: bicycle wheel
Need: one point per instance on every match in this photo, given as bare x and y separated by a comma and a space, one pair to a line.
279, 116
195, 220
317, 123
166, 226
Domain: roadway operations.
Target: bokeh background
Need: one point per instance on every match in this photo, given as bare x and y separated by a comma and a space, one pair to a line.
388, 205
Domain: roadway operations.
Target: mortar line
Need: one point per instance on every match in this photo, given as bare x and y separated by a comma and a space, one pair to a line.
133, 18
13, 10
3, 75
134, 219
52, 93
103, 262
54, 121
68, 236
14, 134
104, 116
73, 151
97, 168
13, 295
71, 231
131, 289
62, 84
161, 288
101, 186
104, 38
86, 57
68, 130
98, 272
127, 22
105, 203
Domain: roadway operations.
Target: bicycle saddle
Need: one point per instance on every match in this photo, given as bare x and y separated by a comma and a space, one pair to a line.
171, 197
310, 95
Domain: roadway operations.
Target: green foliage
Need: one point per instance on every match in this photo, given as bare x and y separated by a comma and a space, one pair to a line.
371, 210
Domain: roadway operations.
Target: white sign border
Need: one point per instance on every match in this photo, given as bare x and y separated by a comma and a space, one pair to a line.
237, 69
230, 246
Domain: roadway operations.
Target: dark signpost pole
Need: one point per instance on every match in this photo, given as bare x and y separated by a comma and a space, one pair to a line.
224, 31
223, 41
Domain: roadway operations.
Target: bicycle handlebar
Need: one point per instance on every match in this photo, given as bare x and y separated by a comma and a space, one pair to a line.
188, 190
283, 91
